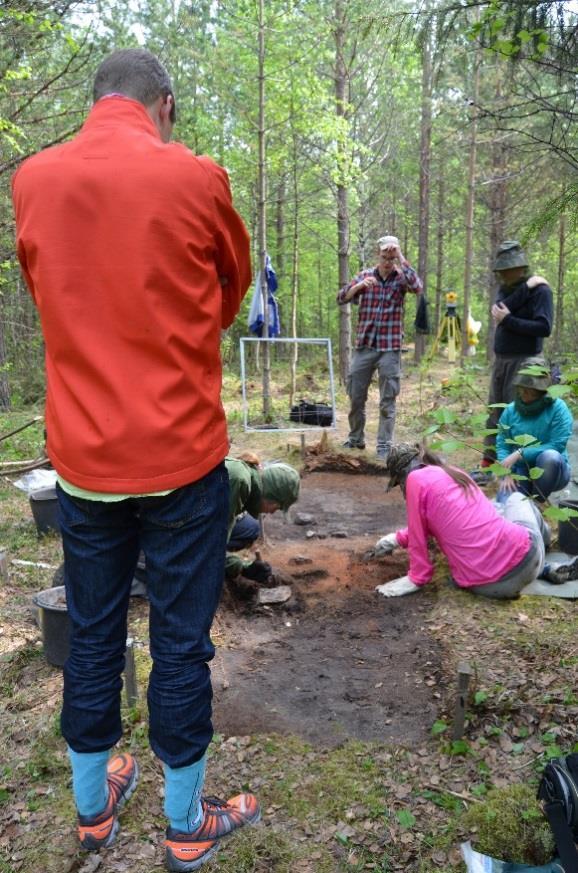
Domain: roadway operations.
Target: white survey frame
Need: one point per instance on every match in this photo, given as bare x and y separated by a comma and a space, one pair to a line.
304, 341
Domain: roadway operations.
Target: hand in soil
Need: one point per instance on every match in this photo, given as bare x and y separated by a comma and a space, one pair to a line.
398, 587
243, 589
258, 571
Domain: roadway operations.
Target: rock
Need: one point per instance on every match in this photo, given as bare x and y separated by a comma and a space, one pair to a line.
304, 518
274, 595
300, 559
310, 534
338, 534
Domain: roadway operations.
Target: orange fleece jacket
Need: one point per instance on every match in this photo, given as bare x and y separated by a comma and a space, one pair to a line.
136, 259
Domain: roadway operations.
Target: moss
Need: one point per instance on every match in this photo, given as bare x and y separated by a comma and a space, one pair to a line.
262, 849
510, 826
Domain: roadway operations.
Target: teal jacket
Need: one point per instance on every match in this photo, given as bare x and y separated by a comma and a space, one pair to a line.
552, 429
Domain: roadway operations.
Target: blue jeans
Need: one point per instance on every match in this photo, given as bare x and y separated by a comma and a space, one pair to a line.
183, 536
556, 474
245, 531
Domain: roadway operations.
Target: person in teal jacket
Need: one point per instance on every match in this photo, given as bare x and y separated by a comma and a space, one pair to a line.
534, 413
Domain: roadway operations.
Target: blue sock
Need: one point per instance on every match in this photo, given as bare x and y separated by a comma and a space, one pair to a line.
89, 781
183, 788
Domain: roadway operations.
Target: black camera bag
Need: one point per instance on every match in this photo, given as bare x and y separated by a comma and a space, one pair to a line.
558, 791
318, 414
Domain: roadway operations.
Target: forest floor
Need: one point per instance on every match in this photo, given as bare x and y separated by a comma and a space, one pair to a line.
336, 708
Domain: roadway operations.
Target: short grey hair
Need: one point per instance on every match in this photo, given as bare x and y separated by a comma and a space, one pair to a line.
135, 73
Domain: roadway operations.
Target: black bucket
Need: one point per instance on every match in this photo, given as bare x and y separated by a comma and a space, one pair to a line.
54, 624
44, 505
568, 530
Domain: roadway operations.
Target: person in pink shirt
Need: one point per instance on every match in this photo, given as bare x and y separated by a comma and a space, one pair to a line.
491, 554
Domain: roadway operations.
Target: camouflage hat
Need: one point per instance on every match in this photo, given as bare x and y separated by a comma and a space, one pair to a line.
281, 484
540, 381
510, 254
399, 458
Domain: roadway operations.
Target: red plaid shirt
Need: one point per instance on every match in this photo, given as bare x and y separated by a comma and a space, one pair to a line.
380, 321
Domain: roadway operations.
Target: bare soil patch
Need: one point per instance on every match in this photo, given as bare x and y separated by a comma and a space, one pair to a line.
339, 661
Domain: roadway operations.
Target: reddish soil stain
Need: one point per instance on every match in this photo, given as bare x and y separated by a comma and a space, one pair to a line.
338, 660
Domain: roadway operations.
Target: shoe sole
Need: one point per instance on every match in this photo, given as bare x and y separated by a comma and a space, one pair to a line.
564, 573
90, 844
175, 866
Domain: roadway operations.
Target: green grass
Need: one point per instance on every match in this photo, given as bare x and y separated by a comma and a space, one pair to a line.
13, 665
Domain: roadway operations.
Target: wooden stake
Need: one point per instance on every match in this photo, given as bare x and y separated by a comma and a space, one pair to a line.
464, 675
303, 446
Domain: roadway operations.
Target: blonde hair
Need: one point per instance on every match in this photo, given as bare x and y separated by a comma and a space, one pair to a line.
250, 458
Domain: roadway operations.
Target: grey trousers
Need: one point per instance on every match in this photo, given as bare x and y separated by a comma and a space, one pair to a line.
501, 391
364, 363
521, 510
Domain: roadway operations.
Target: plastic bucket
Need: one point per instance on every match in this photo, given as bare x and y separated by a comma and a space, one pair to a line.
568, 530
44, 505
54, 624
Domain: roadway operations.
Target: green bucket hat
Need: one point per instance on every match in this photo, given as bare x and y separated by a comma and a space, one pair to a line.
540, 381
510, 254
399, 458
281, 484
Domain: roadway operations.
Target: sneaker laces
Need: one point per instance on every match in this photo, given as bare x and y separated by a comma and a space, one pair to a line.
214, 801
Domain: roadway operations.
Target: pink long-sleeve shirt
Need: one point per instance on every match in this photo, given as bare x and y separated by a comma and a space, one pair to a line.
480, 545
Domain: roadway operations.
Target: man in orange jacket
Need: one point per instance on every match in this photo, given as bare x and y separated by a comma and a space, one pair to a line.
136, 259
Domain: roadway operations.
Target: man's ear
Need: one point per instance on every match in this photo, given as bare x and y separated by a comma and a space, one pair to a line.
166, 107
160, 112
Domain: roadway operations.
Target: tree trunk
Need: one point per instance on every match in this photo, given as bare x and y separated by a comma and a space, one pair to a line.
262, 213
341, 110
497, 206
424, 173
295, 268
280, 227
560, 289
4, 386
470, 202
440, 247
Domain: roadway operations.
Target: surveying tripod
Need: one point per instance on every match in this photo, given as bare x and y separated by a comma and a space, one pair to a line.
450, 328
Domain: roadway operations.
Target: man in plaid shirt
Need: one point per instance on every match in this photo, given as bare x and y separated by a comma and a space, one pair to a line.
380, 293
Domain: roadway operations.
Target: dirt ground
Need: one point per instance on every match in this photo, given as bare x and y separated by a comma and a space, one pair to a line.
338, 660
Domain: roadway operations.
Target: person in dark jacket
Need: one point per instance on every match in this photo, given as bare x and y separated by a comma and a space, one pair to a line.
523, 317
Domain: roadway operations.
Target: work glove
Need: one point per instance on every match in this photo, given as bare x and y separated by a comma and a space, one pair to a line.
398, 587
258, 571
386, 545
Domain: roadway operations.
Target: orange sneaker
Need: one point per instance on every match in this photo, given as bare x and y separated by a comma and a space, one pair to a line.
185, 852
99, 831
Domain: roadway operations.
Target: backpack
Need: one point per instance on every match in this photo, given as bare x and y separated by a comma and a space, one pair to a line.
558, 791
318, 414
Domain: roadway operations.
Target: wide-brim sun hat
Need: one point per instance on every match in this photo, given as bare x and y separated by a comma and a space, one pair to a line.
398, 460
510, 255
539, 380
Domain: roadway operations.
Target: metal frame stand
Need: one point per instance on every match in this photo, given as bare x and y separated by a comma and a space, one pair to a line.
325, 341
